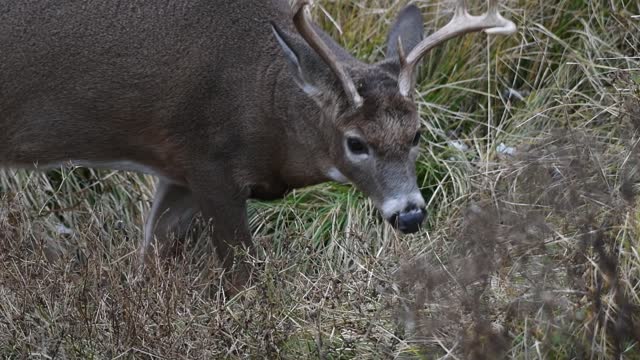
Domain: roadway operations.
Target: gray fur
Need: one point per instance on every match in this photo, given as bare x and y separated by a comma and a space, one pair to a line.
408, 28
197, 92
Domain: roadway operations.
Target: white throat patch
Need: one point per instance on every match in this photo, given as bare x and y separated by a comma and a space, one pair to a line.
337, 176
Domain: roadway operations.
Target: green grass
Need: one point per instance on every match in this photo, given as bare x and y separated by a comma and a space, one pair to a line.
532, 256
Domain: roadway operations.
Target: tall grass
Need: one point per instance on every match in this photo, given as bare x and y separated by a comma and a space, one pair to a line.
530, 168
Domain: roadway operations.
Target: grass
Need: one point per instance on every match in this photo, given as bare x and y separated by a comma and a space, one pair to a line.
531, 255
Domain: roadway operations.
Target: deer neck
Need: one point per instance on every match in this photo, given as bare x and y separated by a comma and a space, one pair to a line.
307, 137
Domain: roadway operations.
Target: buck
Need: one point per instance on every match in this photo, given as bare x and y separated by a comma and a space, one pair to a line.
222, 100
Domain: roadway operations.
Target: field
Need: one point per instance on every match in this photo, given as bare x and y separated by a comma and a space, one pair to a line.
530, 166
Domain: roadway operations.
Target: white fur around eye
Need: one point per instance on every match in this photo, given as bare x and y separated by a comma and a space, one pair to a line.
356, 158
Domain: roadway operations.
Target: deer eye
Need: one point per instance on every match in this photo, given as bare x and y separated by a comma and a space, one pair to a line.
416, 139
357, 146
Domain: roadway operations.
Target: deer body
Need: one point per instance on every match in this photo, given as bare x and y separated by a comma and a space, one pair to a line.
194, 92
170, 89
223, 100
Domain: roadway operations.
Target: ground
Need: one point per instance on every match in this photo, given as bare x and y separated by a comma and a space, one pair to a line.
530, 168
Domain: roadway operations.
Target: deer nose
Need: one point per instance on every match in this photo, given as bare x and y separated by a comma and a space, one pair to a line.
409, 221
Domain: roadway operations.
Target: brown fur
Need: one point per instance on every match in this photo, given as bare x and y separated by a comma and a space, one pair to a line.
199, 93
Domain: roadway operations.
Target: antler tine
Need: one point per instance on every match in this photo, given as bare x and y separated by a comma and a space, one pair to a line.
508, 26
302, 21
490, 22
461, 8
401, 53
493, 7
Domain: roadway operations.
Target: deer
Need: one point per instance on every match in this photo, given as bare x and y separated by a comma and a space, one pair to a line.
222, 100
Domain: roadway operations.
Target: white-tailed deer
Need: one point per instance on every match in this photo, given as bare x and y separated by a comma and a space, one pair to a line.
223, 100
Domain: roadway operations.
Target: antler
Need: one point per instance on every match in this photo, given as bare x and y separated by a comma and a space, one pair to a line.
490, 22
302, 21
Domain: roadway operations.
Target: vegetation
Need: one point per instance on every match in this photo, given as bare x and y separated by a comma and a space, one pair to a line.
532, 250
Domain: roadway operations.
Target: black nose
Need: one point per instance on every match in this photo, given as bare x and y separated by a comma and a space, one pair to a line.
409, 221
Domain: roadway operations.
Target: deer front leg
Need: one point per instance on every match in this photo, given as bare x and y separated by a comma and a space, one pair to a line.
171, 215
226, 212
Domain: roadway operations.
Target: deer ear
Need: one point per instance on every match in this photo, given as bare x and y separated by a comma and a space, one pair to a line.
408, 27
305, 65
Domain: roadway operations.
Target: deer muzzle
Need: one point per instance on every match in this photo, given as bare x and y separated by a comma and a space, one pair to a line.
405, 213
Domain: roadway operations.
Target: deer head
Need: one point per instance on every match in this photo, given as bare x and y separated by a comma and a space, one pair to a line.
371, 121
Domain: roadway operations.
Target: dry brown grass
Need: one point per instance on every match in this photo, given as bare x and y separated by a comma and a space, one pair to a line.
533, 255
